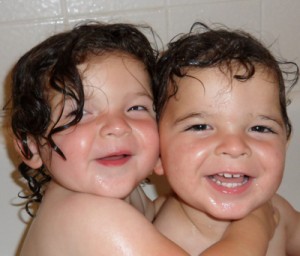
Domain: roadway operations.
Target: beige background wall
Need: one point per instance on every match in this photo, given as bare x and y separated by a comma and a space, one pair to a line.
24, 23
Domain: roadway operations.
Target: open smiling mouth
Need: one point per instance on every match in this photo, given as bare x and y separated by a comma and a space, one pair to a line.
114, 160
229, 180
115, 157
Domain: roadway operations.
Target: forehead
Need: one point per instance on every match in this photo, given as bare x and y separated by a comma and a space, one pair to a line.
113, 61
211, 92
114, 66
226, 75
215, 87
115, 70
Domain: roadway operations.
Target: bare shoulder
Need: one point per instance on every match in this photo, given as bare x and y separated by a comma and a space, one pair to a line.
113, 227
286, 210
290, 219
99, 225
84, 224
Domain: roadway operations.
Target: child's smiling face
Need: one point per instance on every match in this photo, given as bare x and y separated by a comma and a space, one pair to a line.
223, 141
115, 145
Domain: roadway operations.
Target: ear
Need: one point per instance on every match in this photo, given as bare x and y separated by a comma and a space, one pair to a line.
35, 161
288, 142
158, 169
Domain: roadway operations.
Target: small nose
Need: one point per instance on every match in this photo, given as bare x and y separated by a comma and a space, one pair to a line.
233, 145
115, 126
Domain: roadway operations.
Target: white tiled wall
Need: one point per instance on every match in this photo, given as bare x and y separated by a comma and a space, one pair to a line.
23, 23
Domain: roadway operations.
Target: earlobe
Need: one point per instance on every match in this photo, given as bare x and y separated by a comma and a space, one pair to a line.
158, 169
35, 161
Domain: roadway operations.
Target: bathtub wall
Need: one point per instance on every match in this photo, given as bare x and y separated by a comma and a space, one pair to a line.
24, 23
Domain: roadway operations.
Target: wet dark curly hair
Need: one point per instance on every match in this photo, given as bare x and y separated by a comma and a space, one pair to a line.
52, 65
205, 47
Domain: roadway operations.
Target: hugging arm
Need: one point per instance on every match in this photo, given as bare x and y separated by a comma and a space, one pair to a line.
247, 236
108, 226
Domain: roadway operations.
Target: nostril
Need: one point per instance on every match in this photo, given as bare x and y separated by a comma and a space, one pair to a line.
234, 146
115, 127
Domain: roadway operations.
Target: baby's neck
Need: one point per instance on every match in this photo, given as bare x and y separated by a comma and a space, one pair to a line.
191, 229
204, 223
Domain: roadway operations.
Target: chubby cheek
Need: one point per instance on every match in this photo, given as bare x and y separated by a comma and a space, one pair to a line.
169, 153
146, 137
176, 156
272, 165
273, 161
148, 132
181, 150
74, 141
270, 181
74, 145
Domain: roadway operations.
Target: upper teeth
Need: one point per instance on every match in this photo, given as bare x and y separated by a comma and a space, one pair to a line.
243, 179
229, 175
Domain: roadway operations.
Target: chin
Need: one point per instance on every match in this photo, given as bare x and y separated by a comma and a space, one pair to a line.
229, 213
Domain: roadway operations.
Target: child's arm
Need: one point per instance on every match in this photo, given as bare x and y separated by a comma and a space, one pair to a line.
104, 226
248, 236
96, 225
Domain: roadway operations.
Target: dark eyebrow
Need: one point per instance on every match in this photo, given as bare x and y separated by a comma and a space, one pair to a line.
190, 115
144, 94
271, 118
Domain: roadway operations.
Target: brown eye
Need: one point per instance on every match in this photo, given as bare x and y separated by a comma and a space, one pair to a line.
199, 127
137, 108
261, 129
